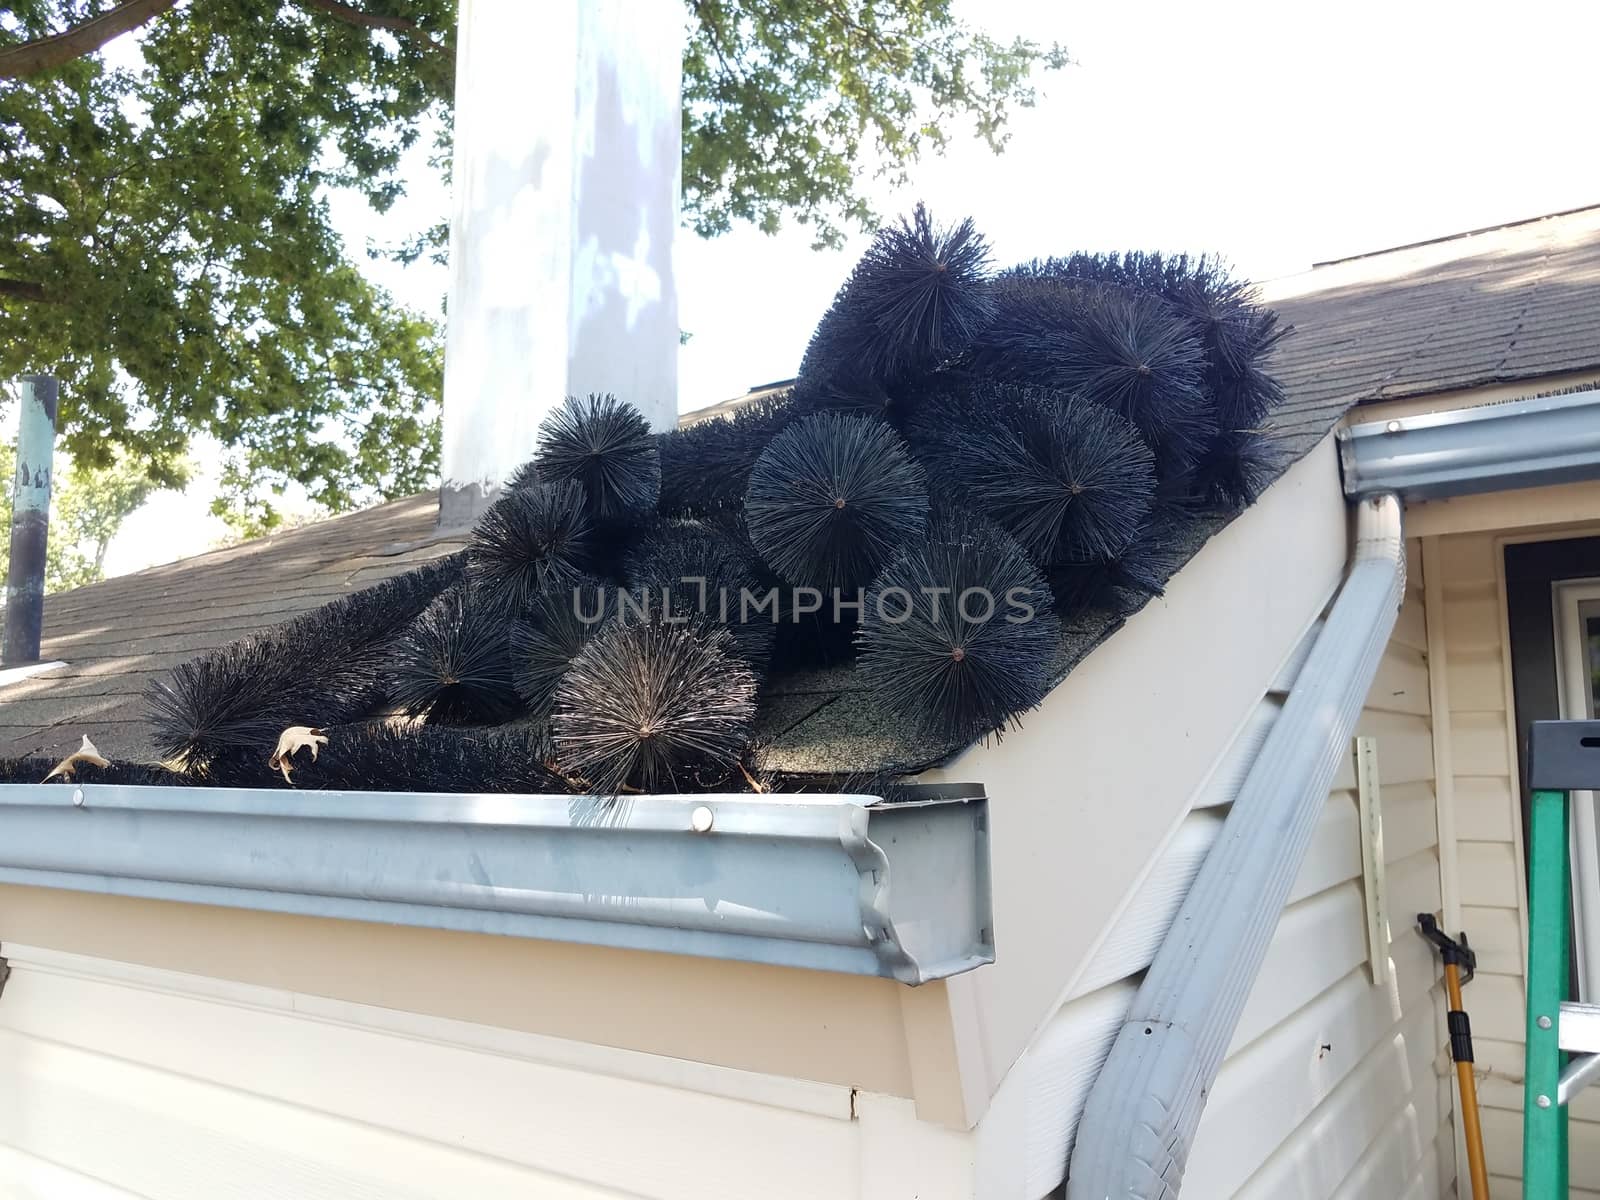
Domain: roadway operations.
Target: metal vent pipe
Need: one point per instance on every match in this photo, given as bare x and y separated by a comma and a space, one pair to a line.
30, 520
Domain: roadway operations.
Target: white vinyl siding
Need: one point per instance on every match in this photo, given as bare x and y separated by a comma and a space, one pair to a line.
1333, 1087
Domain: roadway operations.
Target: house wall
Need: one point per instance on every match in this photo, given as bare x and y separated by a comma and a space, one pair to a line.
1333, 1086
123, 1081
1477, 770
1087, 791
1466, 611
331, 1058
839, 1029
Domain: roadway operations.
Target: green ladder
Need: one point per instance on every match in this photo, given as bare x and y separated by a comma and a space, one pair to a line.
1563, 1043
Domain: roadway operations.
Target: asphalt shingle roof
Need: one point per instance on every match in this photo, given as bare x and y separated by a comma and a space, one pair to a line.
118, 635
1513, 303
1517, 302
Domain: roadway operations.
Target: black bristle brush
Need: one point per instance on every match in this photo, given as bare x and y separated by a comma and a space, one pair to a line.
703, 571
1130, 352
325, 667
1236, 332
954, 403
237, 699
654, 707
705, 467
1236, 468
1237, 335
1245, 394
1138, 358
1243, 456
606, 447
886, 786
832, 498
1022, 341
915, 301
452, 665
525, 476
808, 635
838, 391
34, 768
1070, 480
526, 539
958, 632
394, 756
1122, 582
555, 629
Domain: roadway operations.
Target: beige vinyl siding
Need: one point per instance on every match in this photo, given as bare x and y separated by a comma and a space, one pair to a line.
126, 1081
1487, 807
1287, 1120
1491, 880
845, 1030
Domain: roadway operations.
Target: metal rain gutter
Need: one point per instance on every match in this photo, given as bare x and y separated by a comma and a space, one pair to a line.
1140, 1118
1494, 447
837, 883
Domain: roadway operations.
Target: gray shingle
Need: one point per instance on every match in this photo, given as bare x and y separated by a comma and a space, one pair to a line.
118, 635
1518, 302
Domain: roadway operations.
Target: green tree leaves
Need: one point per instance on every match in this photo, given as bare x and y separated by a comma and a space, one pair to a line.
165, 243
783, 98
171, 227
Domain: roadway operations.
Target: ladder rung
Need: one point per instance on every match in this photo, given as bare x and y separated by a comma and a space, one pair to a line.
1580, 1027
1578, 1074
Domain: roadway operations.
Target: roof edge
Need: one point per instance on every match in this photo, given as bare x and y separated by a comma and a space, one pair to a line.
1451, 237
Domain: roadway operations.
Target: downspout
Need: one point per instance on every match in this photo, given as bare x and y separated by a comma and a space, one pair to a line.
1141, 1115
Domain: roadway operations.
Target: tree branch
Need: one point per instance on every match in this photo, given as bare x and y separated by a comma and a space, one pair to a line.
22, 289
407, 29
43, 54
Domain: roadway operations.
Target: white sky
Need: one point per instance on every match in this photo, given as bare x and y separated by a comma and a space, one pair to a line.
1275, 134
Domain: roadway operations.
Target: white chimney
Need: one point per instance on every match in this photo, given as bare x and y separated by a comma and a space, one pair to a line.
567, 168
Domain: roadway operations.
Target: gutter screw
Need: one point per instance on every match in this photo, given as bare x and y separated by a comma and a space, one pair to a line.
77, 797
